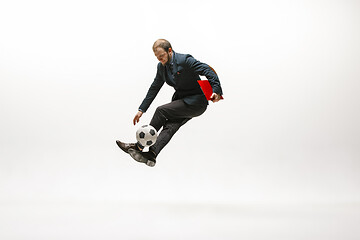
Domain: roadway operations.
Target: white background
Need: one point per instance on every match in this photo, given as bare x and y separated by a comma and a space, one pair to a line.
73, 73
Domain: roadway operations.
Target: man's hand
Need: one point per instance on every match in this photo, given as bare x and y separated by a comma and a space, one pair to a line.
215, 97
137, 117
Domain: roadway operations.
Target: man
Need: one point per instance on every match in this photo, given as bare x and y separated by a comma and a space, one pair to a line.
181, 71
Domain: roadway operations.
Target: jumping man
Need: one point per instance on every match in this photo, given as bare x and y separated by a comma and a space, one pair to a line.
181, 71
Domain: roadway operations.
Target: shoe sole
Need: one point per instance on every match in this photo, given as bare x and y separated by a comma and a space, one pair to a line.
125, 149
150, 163
136, 155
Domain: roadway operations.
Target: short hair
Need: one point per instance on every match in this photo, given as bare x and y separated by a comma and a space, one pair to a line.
162, 43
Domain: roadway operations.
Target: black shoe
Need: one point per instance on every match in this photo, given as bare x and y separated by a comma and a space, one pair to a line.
126, 146
148, 158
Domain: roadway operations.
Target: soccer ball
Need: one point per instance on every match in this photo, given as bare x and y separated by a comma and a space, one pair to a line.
146, 135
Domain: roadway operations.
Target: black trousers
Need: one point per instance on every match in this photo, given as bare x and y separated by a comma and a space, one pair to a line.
171, 117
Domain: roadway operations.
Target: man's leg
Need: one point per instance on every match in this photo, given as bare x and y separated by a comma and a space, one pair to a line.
171, 117
168, 131
175, 111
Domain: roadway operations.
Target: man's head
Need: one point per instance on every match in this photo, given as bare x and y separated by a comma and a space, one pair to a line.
163, 51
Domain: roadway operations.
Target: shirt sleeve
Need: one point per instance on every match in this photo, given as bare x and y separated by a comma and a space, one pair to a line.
204, 69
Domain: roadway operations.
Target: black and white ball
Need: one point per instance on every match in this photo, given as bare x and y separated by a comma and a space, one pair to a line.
146, 135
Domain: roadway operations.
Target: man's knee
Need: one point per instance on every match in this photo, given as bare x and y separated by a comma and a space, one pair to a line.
160, 110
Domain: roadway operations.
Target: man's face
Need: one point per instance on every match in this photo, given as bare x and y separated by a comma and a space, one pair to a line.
163, 56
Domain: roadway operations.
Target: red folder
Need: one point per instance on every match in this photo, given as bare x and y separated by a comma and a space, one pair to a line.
206, 88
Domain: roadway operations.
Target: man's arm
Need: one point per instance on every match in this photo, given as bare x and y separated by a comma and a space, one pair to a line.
150, 96
207, 71
152, 92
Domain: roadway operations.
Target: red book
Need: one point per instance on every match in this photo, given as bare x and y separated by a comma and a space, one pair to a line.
206, 88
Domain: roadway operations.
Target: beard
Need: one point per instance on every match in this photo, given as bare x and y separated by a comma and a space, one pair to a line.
168, 59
